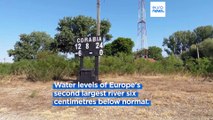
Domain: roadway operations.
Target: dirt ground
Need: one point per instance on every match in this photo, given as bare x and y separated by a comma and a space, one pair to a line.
173, 98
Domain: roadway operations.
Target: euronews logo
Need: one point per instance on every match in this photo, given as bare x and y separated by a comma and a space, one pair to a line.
157, 9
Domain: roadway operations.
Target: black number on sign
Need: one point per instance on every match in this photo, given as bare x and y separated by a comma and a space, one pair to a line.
101, 52
78, 46
99, 45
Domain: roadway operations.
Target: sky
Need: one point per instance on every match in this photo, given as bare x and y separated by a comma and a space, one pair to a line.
26, 16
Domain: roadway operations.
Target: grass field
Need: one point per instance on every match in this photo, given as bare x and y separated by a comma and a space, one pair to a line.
173, 97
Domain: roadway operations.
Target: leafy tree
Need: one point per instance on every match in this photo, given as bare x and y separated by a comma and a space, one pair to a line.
192, 53
202, 33
155, 53
81, 26
139, 53
206, 48
108, 49
179, 42
122, 45
30, 45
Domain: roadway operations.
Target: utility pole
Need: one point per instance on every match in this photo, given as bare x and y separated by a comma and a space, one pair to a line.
98, 34
198, 54
98, 17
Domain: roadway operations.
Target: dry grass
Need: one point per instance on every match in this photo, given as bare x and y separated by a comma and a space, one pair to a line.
173, 97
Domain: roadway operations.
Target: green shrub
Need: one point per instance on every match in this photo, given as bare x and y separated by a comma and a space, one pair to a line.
21, 67
199, 66
89, 62
172, 64
5, 68
117, 64
73, 67
210, 68
108, 64
50, 67
142, 65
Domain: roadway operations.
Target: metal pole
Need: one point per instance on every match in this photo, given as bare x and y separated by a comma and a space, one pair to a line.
81, 67
81, 62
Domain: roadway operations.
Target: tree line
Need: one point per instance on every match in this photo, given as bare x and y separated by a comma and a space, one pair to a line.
190, 51
186, 44
69, 28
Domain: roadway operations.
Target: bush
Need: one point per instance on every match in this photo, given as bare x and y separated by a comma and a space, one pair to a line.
21, 67
127, 64
199, 66
210, 68
172, 64
5, 68
123, 67
50, 67
89, 62
117, 64
73, 67
142, 66
109, 64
